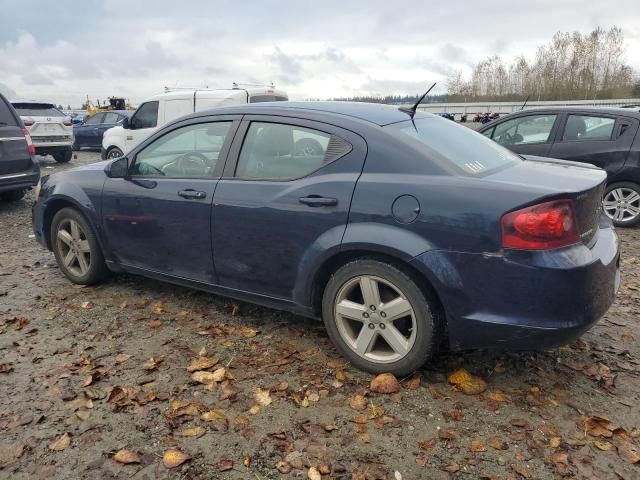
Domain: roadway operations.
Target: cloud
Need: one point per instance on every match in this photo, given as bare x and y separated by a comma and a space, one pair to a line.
8, 92
312, 50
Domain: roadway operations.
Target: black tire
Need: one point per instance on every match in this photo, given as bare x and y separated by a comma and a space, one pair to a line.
63, 156
624, 187
13, 195
97, 270
424, 323
75, 147
113, 152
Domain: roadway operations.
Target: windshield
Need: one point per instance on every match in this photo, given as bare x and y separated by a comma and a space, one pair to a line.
461, 147
37, 110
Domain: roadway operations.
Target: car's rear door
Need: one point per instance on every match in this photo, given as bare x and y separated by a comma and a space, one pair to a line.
603, 140
14, 156
86, 133
285, 195
527, 134
158, 219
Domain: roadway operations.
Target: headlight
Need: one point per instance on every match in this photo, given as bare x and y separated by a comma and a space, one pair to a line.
38, 190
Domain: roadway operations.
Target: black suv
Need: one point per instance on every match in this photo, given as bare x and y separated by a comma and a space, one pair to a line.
605, 137
19, 170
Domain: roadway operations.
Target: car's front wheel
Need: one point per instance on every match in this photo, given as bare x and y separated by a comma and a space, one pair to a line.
114, 152
63, 156
621, 203
378, 317
76, 248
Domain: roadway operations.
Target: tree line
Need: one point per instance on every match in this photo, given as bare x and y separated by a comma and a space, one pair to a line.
573, 66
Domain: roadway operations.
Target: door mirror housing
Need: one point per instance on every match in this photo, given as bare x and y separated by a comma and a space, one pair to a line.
119, 168
125, 123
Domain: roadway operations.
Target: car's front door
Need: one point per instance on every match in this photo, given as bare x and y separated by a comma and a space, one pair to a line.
284, 197
526, 134
600, 139
142, 124
110, 119
87, 132
159, 218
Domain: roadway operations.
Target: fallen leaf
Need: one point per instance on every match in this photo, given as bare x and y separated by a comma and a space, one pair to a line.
314, 474
195, 432
174, 458
452, 467
201, 363
358, 402
203, 377
225, 465
385, 383
263, 397
427, 444
152, 363
60, 443
413, 383
477, 446
122, 357
605, 446
554, 442
283, 467
497, 396
214, 414
497, 444
520, 471
466, 382
447, 435
126, 456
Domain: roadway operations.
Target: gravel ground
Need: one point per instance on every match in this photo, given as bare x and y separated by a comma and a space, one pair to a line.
94, 377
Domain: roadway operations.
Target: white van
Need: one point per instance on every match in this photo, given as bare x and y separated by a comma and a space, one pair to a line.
165, 107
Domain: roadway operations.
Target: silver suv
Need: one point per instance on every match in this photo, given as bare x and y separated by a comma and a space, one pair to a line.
50, 129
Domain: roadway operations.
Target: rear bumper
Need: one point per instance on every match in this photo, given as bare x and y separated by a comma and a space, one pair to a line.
524, 300
19, 180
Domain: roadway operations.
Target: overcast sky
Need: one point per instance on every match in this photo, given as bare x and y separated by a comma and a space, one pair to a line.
63, 50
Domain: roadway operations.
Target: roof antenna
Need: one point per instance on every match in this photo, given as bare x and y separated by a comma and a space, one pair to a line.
412, 111
525, 103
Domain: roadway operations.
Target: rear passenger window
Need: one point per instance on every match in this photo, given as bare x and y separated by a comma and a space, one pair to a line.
588, 127
6, 116
525, 130
284, 152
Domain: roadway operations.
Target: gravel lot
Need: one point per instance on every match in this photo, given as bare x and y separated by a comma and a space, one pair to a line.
93, 375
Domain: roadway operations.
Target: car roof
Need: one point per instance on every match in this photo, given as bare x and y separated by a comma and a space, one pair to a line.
607, 110
375, 113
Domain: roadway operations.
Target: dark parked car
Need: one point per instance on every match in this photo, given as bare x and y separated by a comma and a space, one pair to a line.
88, 133
400, 231
605, 137
19, 170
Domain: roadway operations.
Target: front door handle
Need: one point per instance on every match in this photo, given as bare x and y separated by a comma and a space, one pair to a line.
192, 194
318, 201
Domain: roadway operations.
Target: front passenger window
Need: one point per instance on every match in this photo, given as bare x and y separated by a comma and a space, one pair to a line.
190, 151
146, 116
284, 152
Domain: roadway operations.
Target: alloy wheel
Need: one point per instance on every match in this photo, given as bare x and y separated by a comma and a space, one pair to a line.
73, 247
114, 153
375, 319
622, 204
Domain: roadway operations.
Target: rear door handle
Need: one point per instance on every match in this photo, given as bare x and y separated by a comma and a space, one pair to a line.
192, 194
318, 201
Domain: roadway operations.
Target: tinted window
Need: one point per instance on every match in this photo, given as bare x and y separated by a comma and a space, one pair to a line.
284, 152
525, 130
94, 119
459, 146
37, 110
267, 98
111, 117
588, 127
146, 116
190, 151
6, 116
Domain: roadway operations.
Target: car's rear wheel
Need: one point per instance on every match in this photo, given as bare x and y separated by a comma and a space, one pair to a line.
63, 156
114, 152
76, 248
13, 195
621, 203
378, 317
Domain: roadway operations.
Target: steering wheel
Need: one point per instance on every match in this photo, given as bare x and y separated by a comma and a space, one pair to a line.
191, 161
308, 147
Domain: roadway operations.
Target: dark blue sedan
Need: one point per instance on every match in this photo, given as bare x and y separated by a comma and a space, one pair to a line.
398, 230
88, 133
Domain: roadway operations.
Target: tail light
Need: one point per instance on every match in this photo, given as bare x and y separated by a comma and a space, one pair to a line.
28, 122
540, 227
67, 122
30, 147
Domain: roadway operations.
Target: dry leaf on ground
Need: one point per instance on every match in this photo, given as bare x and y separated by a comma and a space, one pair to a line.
174, 458
126, 456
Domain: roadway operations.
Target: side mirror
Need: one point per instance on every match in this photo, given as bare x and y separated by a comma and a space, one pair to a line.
119, 168
125, 123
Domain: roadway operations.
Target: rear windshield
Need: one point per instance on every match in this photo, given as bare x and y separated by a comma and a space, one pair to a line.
37, 110
267, 98
6, 117
466, 150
